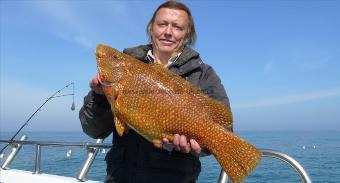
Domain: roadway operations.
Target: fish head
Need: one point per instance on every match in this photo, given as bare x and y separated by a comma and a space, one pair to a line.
112, 68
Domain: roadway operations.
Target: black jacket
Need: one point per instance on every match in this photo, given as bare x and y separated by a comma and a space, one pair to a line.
134, 159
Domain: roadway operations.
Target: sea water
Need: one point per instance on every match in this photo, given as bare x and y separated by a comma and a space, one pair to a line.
318, 153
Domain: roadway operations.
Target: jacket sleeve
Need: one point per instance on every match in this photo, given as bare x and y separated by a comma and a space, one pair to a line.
95, 116
211, 85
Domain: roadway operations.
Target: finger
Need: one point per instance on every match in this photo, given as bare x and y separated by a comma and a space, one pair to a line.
176, 142
158, 145
183, 143
96, 86
165, 141
93, 82
195, 147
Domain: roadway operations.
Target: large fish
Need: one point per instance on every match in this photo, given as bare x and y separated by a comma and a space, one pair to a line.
157, 104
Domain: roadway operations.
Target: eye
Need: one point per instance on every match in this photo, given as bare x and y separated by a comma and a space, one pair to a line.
161, 25
178, 28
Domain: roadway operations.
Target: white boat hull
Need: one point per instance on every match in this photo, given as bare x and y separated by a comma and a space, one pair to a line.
20, 176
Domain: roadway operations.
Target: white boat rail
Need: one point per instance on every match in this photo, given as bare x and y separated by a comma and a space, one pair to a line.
93, 148
223, 178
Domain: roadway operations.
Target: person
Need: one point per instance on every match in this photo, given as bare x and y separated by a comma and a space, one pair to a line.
133, 159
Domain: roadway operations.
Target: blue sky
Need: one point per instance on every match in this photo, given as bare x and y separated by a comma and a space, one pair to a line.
279, 60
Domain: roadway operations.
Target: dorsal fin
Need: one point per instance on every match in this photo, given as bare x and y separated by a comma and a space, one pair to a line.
220, 113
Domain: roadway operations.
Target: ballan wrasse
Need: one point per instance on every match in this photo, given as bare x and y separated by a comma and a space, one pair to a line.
157, 104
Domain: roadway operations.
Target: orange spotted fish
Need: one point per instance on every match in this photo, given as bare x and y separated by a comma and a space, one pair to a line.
157, 104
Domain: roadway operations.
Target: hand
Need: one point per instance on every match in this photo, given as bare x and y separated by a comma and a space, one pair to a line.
96, 86
180, 143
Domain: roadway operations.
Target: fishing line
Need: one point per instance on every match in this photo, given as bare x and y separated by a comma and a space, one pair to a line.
35, 112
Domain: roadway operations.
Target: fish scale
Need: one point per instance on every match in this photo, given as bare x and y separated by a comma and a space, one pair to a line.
157, 104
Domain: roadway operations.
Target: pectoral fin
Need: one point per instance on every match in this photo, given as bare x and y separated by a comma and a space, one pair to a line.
120, 127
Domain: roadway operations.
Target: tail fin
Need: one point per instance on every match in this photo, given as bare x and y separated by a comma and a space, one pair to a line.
237, 157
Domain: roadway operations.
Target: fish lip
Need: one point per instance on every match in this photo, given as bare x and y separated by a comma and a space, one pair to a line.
104, 83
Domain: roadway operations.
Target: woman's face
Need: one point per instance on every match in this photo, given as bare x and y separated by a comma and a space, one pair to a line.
169, 31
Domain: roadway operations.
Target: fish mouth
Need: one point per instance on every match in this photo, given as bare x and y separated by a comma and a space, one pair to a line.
104, 83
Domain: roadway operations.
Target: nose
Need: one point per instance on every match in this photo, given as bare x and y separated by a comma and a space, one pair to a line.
168, 31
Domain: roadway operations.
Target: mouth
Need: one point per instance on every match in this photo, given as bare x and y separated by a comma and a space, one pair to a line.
104, 83
166, 41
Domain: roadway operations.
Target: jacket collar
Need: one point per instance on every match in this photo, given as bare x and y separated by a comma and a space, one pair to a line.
184, 61
172, 60
186, 55
140, 52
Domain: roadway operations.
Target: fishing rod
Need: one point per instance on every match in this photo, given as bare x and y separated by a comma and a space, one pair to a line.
54, 95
